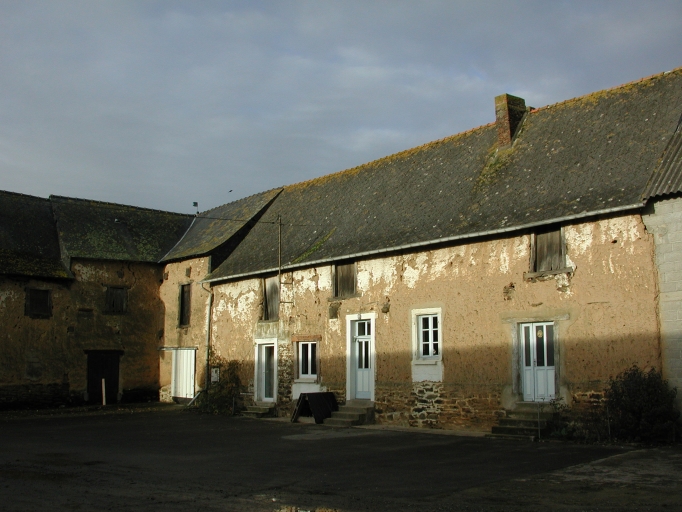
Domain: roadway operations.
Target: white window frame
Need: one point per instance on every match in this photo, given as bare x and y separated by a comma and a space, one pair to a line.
307, 377
417, 357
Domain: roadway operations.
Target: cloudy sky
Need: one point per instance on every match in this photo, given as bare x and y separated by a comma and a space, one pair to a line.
162, 103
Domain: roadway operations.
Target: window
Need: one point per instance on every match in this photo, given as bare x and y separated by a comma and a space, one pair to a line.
427, 334
548, 251
429, 339
306, 357
345, 279
307, 360
185, 302
271, 298
38, 303
116, 300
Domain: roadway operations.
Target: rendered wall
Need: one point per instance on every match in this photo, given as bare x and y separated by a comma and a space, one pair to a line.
43, 361
664, 219
174, 335
605, 317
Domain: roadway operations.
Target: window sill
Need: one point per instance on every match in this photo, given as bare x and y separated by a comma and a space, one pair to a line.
344, 297
527, 276
268, 321
306, 381
426, 361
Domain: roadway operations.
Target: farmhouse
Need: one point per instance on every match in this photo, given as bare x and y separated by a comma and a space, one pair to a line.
522, 261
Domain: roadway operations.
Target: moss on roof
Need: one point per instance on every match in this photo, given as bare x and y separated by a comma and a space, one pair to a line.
109, 231
213, 228
579, 156
28, 238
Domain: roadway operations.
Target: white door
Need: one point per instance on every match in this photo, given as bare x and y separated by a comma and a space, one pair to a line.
266, 372
362, 358
182, 378
538, 370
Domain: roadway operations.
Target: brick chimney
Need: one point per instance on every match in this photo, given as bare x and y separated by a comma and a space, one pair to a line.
509, 111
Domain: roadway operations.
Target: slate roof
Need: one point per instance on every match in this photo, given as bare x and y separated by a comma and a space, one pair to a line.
108, 231
28, 238
212, 228
573, 159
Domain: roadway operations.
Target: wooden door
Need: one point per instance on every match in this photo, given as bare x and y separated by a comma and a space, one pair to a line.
103, 364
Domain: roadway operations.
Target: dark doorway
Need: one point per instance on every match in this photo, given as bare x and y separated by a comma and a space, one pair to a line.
103, 364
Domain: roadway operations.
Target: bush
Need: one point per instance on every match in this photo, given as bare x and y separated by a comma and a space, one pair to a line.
641, 407
587, 426
223, 396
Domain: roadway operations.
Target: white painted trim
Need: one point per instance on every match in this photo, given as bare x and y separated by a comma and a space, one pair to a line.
258, 343
417, 358
350, 378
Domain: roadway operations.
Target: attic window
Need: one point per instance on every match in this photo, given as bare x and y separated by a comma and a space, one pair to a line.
345, 279
185, 304
38, 303
548, 252
271, 298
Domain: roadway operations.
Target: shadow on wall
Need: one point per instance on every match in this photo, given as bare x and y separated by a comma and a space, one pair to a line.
480, 380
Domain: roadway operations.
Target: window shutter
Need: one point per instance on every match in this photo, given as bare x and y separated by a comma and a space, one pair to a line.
271, 298
346, 276
548, 251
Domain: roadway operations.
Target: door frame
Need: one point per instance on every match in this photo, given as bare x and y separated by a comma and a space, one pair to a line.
98, 388
522, 367
259, 344
350, 375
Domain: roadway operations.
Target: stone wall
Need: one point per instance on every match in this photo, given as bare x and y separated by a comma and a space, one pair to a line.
44, 360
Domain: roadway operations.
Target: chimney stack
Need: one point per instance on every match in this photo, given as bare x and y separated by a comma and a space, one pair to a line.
509, 111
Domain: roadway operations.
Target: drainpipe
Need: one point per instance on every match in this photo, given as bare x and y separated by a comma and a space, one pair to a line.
208, 339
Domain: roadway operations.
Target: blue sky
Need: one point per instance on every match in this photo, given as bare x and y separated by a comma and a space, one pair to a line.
162, 103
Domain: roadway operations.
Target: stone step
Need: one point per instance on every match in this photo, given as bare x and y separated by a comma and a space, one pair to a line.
259, 411
529, 416
516, 431
354, 410
513, 437
344, 415
359, 403
514, 422
338, 422
255, 414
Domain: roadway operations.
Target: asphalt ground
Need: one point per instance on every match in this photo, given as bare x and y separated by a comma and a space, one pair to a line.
168, 459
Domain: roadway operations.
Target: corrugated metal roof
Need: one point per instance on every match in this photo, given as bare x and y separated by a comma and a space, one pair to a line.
667, 179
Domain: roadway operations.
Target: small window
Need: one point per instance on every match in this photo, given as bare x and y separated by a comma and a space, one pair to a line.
429, 338
185, 303
116, 300
271, 298
345, 279
548, 251
307, 360
427, 334
38, 303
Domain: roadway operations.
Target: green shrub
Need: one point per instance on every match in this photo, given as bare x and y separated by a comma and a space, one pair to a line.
641, 407
223, 396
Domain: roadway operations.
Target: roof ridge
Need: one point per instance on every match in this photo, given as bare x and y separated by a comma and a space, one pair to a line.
376, 161
609, 89
56, 198
9, 192
240, 199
